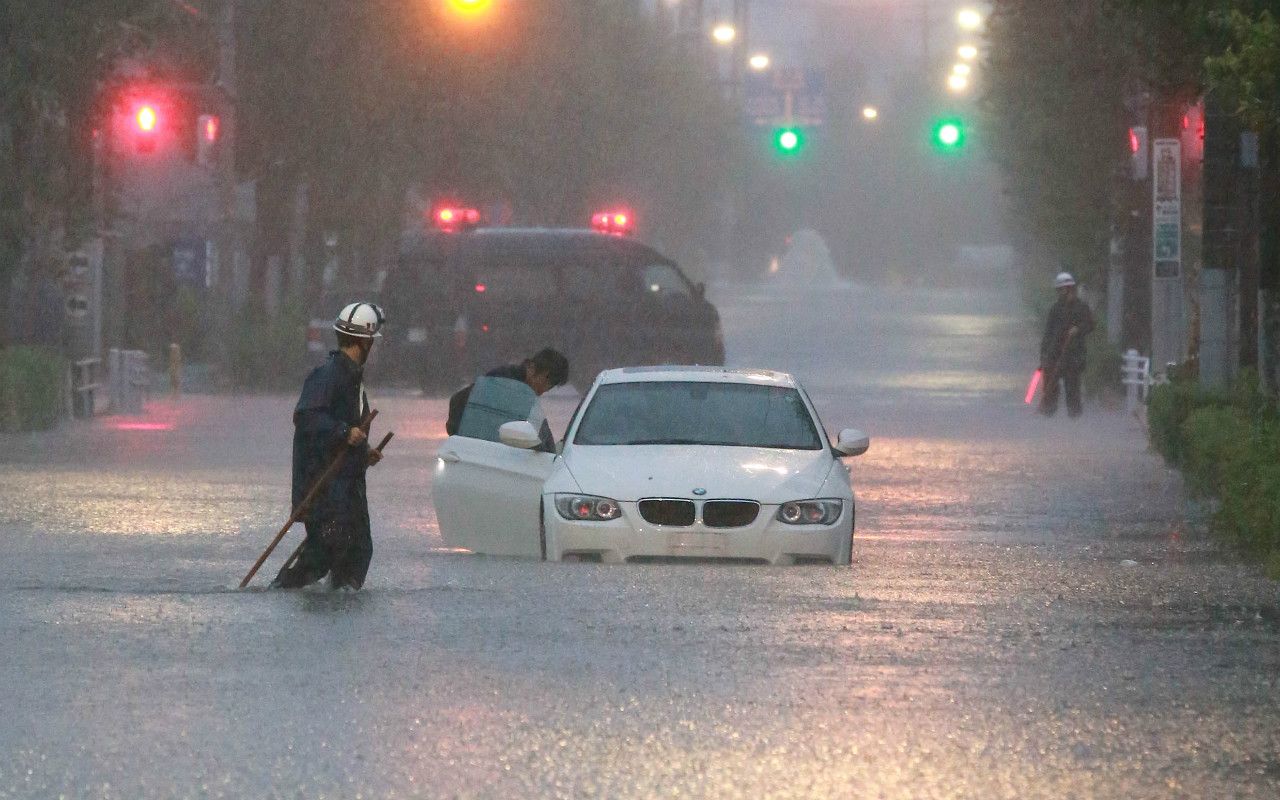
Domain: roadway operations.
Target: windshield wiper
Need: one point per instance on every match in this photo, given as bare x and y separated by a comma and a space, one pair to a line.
666, 441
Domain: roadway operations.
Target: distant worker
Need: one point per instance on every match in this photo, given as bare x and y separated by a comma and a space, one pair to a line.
543, 372
1062, 349
327, 418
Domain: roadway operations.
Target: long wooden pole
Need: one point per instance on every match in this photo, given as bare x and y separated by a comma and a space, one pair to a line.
298, 512
298, 550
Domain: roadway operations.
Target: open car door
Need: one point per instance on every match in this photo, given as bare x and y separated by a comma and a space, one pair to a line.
487, 493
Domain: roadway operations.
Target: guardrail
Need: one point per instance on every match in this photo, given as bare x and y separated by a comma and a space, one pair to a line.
130, 380
1136, 372
86, 387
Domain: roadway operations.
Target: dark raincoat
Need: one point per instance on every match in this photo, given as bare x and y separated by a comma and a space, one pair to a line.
338, 534
1065, 315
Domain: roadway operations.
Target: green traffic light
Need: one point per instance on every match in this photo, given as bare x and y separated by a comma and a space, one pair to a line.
788, 140
949, 134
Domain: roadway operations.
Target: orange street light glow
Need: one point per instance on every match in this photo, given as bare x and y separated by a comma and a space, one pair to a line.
724, 33
470, 7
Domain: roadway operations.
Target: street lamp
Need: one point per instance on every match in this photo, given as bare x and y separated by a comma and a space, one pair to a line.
870, 113
967, 52
962, 69
957, 83
760, 62
724, 33
969, 19
470, 7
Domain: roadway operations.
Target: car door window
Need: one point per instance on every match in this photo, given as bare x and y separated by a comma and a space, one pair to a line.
664, 280
493, 403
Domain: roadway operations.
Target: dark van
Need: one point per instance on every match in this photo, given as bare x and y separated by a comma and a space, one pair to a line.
459, 303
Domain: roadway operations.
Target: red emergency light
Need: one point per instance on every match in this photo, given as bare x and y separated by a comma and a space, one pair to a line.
455, 218
147, 118
616, 223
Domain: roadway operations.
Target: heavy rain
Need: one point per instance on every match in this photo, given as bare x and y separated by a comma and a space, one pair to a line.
888, 217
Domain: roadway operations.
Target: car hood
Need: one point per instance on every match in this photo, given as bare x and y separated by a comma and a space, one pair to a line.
631, 472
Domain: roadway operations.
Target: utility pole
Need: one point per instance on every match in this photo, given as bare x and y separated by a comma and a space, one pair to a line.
1168, 315
224, 261
1221, 246
926, 38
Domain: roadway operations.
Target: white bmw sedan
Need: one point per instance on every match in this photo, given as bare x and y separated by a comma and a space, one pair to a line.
658, 463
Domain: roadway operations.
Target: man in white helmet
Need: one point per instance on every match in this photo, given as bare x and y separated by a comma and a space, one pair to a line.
327, 418
1062, 349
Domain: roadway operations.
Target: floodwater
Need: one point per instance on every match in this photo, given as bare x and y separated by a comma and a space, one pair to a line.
1032, 611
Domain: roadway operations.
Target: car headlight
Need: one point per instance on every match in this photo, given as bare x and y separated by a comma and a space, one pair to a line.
811, 512
587, 508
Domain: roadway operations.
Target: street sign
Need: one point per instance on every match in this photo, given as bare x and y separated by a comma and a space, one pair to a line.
785, 96
1167, 208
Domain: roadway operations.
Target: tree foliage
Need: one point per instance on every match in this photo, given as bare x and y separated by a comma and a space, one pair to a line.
1248, 68
1057, 80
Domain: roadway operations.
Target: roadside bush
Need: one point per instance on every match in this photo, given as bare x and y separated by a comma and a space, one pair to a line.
1227, 446
268, 354
1169, 407
32, 386
1250, 493
1214, 441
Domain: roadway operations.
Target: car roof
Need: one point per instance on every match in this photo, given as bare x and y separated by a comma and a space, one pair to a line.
699, 374
544, 242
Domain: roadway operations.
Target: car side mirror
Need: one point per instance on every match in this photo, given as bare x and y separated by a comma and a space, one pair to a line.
852, 442
519, 433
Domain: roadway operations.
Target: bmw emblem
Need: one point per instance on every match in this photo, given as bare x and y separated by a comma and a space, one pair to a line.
699, 492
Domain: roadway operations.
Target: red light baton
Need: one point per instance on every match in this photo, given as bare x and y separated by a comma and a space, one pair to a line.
1033, 386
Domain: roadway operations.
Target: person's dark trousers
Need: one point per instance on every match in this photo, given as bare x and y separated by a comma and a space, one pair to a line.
312, 563
1070, 382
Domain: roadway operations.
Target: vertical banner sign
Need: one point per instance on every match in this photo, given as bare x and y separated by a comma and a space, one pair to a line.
1167, 207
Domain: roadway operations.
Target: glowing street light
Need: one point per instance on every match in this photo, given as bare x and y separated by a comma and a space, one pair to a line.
870, 113
967, 52
957, 83
760, 62
962, 69
724, 33
969, 19
470, 7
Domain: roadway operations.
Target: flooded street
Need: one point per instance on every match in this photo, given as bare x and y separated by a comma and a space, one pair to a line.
1029, 612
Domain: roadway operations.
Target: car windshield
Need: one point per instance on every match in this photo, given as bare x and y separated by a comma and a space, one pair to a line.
687, 412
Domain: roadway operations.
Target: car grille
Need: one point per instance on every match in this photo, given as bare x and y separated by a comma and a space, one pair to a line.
678, 513
729, 513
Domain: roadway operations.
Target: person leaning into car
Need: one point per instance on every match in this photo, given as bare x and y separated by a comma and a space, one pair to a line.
542, 372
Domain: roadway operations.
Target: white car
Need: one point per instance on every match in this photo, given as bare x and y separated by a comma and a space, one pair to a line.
658, 463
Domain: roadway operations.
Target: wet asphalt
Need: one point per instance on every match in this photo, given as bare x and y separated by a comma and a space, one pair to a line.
1035, 609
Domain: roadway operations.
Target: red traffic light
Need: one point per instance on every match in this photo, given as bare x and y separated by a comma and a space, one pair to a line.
454, 218
616, 223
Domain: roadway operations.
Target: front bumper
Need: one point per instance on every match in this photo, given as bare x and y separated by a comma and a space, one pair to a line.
631, 538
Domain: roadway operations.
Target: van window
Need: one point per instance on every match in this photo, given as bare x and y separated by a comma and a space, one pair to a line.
513, 278
664, 280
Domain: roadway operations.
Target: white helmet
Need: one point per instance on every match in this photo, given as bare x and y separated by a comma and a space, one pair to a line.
362, 320
1063, 279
